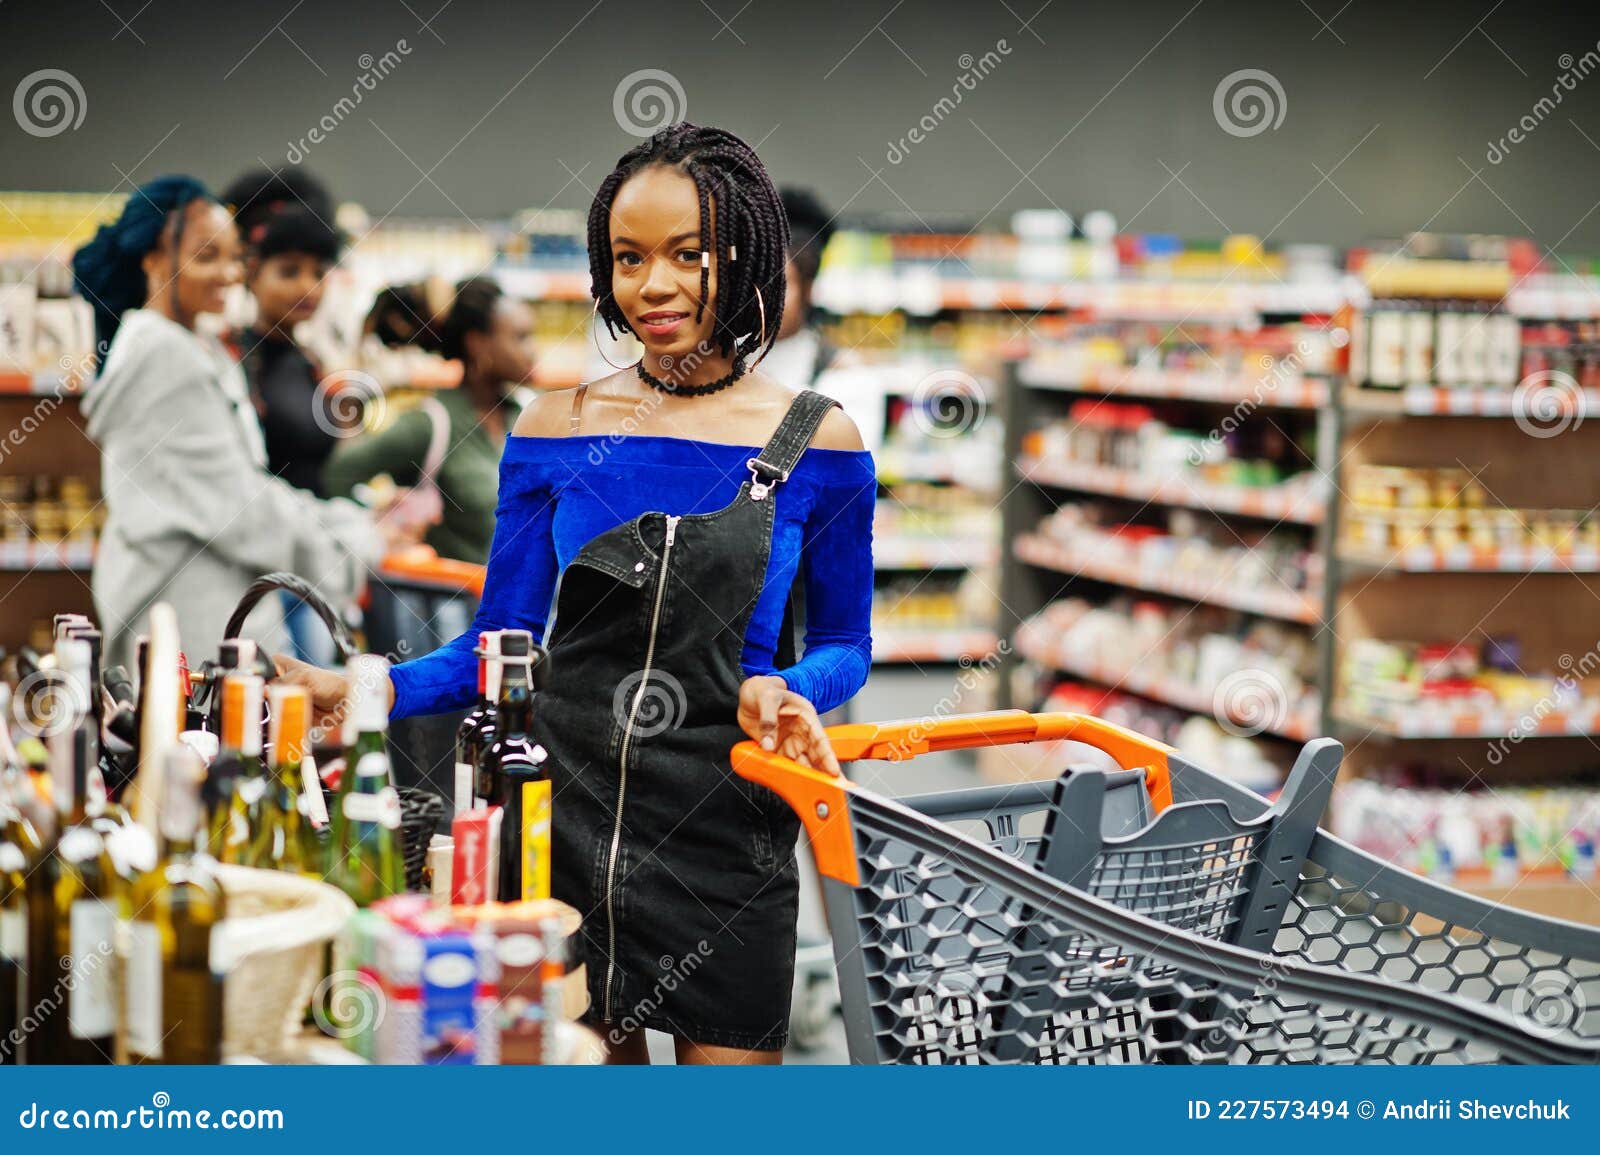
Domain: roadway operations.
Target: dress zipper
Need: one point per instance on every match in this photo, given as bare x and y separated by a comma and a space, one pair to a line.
622, 764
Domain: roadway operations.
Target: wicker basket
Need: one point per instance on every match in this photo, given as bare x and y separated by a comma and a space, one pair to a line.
272, 947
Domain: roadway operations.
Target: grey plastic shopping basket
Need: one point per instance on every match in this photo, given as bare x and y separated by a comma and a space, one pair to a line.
1159, 914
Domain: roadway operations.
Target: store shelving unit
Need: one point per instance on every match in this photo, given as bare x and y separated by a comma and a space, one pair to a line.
1038, 569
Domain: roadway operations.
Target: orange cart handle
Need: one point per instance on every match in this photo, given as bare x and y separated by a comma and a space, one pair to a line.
819, 798
421, 564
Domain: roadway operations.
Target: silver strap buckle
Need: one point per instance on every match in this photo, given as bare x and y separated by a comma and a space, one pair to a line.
759, 488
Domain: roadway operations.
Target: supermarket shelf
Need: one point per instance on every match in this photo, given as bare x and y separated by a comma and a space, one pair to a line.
1179, 384
1279, 503
46, 384
1465, 559
1432, 401
905, 645
1489, 725
1159, 689
1040, 550
953, 465
543, 284
923, 291
36, 557
914, 553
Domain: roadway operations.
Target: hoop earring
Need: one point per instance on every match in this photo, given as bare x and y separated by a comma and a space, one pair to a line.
761, 341
594, 334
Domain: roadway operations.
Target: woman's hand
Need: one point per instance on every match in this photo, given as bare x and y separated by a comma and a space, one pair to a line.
327, 688
782, 720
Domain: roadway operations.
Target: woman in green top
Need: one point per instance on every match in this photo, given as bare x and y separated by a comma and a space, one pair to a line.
491, 335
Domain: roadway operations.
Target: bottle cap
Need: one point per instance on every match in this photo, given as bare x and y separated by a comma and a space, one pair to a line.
515, 643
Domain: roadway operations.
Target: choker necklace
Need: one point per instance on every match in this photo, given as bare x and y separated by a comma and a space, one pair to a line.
719, 384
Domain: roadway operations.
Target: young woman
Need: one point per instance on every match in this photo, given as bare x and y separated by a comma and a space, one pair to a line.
675, 501
193, 515
491, 334
290, 246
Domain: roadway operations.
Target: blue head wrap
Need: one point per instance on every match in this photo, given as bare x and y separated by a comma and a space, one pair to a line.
108, 271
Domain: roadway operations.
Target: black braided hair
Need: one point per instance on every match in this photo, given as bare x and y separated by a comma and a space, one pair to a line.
749, 217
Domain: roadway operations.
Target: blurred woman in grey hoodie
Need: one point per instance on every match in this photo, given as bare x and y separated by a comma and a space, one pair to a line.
193, 515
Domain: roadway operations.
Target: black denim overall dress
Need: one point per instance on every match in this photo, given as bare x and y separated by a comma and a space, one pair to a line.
684, 872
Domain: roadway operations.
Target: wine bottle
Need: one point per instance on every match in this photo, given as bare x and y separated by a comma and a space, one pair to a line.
286, 839
237, 785
520, 779
234, 656
174, 997
13, 918
367, 863
469, 787
71, 900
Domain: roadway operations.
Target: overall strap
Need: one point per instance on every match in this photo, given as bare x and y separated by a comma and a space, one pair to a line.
780, 454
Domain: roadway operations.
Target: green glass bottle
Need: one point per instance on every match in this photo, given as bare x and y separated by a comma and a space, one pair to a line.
174, 996
285, 839
367, 863
238, 779
72, 898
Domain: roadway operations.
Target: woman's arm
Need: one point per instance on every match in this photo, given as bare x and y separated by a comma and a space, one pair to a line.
397, 449
198, 484
836, 559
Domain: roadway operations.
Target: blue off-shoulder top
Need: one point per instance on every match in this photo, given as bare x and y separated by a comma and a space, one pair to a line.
557, 493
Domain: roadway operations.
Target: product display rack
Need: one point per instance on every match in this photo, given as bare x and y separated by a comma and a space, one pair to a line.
1037, 569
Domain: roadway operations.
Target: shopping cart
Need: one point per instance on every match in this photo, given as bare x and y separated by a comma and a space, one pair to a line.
1158, 913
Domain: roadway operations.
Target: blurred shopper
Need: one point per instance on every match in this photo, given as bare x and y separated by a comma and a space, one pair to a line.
452, 441
290, 246
802, 353
193, 514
